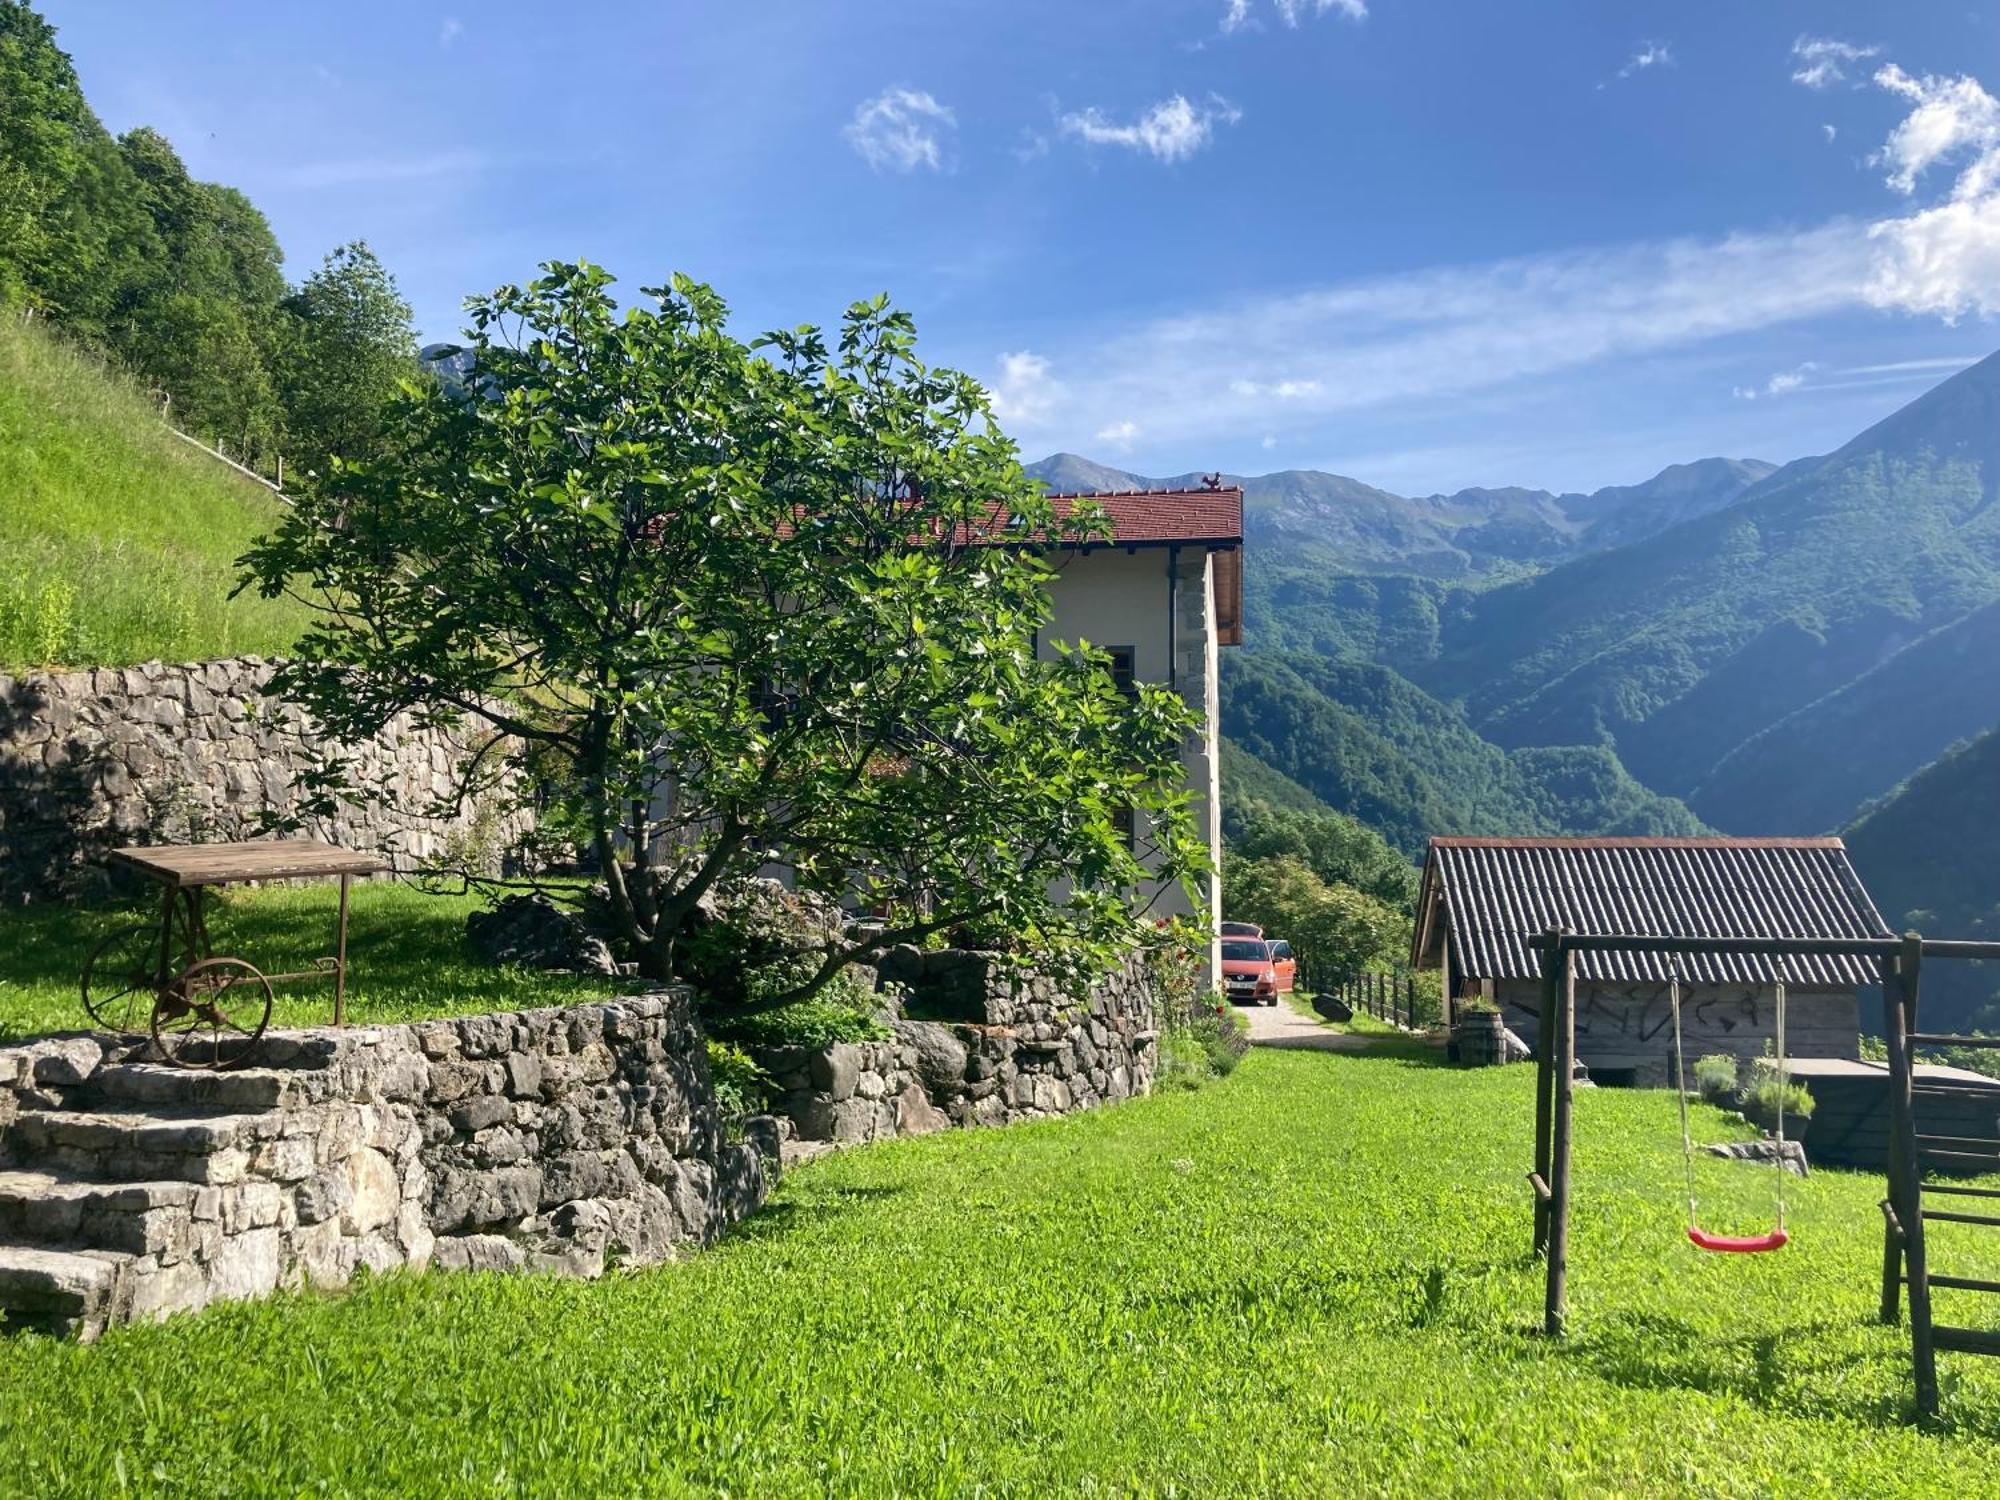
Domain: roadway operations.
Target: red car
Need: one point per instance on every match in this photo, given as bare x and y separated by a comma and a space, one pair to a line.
1249, 972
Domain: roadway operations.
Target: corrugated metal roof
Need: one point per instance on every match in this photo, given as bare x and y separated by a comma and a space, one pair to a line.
1490, 896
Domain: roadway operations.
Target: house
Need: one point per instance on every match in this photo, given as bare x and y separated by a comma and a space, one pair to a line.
1161, 598
1483, 899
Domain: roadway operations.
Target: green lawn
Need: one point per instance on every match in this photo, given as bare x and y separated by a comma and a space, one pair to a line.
118, 542
1307, 1279
406, 950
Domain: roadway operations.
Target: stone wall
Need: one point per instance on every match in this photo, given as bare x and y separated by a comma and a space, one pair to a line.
559, 1139
193, 752
976, 1045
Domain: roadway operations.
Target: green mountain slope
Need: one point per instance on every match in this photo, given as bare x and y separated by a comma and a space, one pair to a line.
1927, 854
1811, 770
1320, 521
117, 540
1371, 744
1678, 649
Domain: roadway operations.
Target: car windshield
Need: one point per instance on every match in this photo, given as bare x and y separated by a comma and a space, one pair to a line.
1245, 949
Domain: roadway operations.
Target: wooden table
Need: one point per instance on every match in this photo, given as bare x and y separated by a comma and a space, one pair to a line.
227, 995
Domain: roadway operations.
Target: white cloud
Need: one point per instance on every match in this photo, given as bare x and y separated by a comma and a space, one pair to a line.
1831, 132
901, 130
1821, 60
1651, 55
1270, 441
1217, 372
1172, 130
1119, 434
1944, 259
450, 30
1236, 13
1953, 117
1283, 390
1025, 393
1781, 384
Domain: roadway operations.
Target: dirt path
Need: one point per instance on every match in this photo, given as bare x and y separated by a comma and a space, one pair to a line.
1281, 1026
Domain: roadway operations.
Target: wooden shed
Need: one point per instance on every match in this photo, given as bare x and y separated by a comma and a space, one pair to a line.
1482, 899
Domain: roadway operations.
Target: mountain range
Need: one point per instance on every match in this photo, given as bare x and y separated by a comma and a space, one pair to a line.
1731, 645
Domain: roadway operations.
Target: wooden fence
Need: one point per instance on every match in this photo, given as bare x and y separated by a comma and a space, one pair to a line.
1386, 997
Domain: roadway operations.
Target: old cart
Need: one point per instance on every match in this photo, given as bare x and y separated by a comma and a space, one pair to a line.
207, 1010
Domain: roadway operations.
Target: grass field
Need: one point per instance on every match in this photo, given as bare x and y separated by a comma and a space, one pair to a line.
1308, 1279
117, 541
407, 952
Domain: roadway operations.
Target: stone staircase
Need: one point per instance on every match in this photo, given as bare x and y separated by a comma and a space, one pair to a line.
141, 1189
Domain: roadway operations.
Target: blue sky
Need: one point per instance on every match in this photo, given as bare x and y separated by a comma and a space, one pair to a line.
1427, 243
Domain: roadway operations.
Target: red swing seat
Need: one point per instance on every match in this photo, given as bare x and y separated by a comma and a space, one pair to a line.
1738, 1244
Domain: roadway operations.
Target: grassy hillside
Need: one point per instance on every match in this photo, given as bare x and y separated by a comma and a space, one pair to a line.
1927, 855
117, 540
1374, 746
1310, 1279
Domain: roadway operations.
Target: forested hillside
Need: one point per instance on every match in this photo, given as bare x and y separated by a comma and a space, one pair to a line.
1370, 744
1679, 649
1928, 854
181, 282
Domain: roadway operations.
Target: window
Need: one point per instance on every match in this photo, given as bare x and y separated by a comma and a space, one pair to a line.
1123, 821
1281, 949
1124, 669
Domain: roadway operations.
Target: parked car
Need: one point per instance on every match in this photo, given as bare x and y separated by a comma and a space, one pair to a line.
1241, 929
1249, 977
1284, 965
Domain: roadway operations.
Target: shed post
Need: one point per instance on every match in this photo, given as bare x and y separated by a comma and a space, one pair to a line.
1893, 1203
1564, 1097
1545, 1077
1908, 1172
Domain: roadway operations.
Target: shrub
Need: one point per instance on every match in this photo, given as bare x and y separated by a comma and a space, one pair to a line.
843, 1012
741, 1087
1185, 1062
1715, 1076
1206, 1043
1769, 1095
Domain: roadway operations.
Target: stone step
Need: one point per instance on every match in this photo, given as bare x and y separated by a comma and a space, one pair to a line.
64, 1292
124, 1146
51, 1211
243, 1089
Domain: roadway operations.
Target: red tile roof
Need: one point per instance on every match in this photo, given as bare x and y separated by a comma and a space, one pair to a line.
1166, 515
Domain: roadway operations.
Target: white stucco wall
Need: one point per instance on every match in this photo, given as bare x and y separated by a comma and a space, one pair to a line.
1113, 597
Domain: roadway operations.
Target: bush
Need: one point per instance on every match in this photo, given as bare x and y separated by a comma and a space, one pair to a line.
741, 1087
1715, 1076
1768, 1095
843, 1012
1207, 1043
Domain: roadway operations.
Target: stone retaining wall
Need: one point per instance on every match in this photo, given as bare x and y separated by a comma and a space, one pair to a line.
559, 1139
978, 1045
190, 753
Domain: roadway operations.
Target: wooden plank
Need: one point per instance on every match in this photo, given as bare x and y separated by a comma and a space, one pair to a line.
1963, 1283
1966, 1340
184, 865
1952, 1216
1947, 1039
1555, 1302
1957, 1190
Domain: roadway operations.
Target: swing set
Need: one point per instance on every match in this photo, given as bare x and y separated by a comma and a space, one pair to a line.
1914, 1160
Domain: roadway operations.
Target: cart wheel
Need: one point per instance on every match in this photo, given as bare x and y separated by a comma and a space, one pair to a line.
213, 1015
122, 976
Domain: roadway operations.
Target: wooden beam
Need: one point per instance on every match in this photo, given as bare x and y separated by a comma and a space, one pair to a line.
1555, 1306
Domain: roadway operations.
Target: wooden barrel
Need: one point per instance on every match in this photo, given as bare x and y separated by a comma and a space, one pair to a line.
1479, 1038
